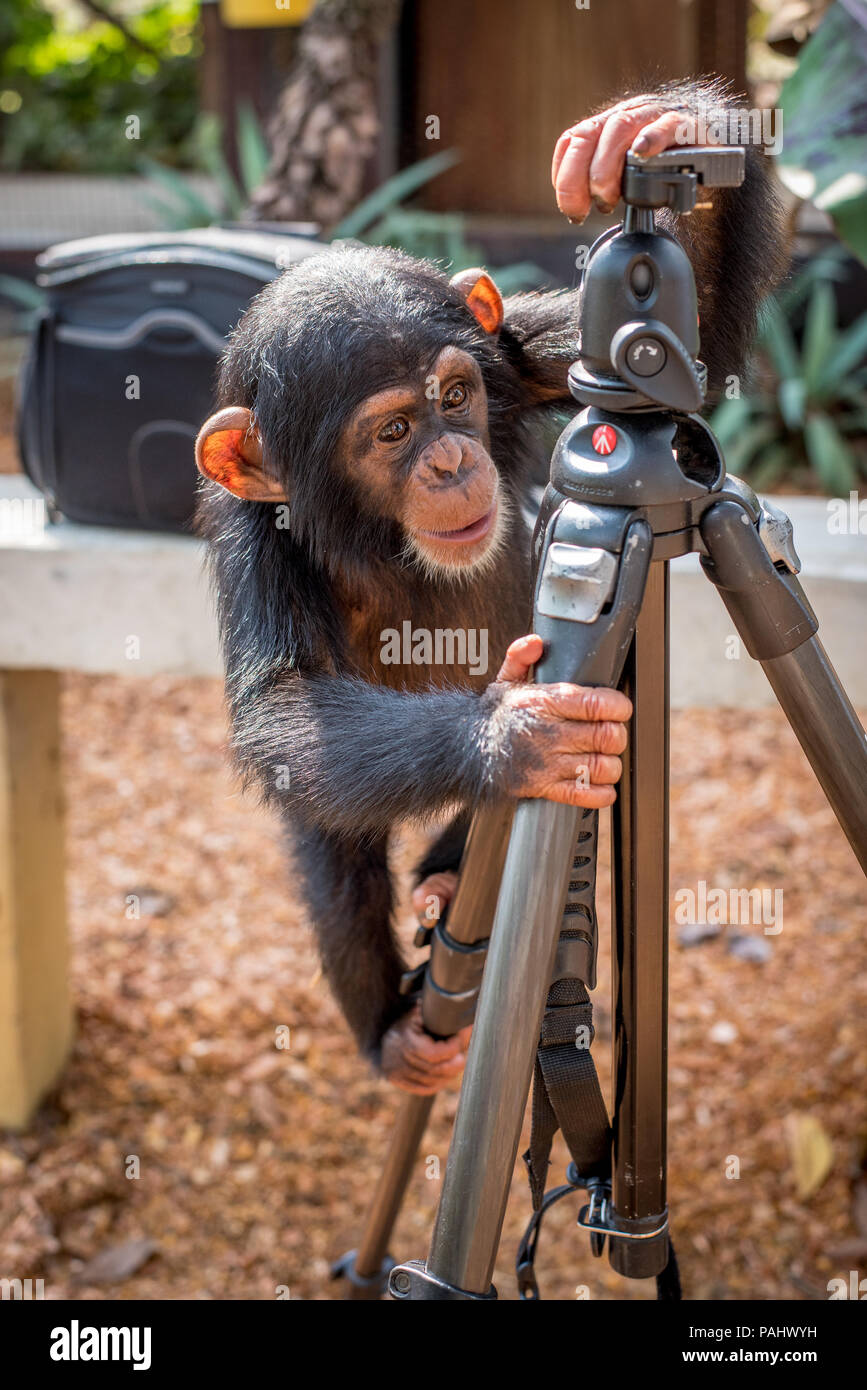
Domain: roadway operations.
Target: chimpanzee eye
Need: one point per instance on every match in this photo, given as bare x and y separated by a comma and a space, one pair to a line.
394, 431
455, 396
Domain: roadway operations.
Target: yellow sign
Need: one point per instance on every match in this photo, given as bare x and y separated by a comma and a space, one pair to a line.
262, 14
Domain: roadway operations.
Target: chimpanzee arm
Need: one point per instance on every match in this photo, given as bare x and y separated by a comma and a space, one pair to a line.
447, 849
348, 895
353, 758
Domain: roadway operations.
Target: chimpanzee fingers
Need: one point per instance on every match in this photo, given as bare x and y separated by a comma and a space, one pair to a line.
586, 703
573, 154
423, 1050
444, 1071
606, 168
428, 1079
661, 133
421, 1086
560, 149
574, 793
521, 656
433, 895
569, 773
592, 736
600, 769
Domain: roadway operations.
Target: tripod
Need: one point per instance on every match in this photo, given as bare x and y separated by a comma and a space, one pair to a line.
637, 478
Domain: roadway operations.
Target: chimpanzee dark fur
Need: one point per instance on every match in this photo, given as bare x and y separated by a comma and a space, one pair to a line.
361, 755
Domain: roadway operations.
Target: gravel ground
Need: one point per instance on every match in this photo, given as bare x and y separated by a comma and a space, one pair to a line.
255, 1162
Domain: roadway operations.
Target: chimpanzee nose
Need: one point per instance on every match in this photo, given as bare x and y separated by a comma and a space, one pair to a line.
443, 457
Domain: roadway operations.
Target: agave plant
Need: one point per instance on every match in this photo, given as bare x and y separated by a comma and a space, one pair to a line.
184, 206
809, 414
379, 218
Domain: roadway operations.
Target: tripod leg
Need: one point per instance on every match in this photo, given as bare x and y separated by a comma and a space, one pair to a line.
366, 1269
448, 1003
582, 635
772, 615
503, 1047
639, 880
829, 731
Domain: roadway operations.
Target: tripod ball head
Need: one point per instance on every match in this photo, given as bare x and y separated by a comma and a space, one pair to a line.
639, 314
639, 325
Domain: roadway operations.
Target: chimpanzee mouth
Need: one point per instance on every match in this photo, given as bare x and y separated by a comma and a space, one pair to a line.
465, 534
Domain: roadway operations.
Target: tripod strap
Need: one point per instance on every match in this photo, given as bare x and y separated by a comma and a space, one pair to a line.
567, 1096
566, 1090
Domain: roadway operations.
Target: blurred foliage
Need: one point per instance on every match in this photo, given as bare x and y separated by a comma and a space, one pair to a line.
69, 82
441, 236
25, 300
379, 219
182, 205
824, 105
807, 421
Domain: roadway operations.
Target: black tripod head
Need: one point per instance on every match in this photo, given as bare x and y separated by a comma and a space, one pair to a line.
639, 318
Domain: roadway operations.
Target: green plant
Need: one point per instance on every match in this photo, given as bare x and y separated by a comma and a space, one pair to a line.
378, 219
186, 206
25, 297
436, 236
810, 414
824, 153
69, 83
441, 236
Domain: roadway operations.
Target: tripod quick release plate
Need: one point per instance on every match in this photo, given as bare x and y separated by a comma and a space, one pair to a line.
672, 179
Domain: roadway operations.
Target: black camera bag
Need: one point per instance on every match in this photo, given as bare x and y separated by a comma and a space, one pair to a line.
121, 367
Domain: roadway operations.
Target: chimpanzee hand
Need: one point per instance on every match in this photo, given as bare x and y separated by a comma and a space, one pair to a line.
589, 157
416, 1062
561, 741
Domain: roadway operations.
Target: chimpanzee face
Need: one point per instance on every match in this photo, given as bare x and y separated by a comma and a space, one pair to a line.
420, 452
408, 463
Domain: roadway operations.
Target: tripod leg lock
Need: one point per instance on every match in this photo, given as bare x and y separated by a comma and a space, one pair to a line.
765, 601
413, 1281
778, 537
449, 980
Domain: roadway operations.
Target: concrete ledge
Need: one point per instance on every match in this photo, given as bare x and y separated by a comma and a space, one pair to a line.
74, 596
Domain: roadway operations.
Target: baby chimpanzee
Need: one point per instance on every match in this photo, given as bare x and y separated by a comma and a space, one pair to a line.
367, 465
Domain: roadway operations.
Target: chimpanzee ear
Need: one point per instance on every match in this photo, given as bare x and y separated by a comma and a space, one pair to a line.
229, 452
483, 299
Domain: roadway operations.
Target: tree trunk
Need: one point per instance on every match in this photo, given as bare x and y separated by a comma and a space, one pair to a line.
325, 127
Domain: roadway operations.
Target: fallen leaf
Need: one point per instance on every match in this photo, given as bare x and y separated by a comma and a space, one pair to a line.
811, 1152
116, 1263
756, 949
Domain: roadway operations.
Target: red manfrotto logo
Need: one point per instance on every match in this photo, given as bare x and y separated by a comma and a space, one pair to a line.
604, 439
